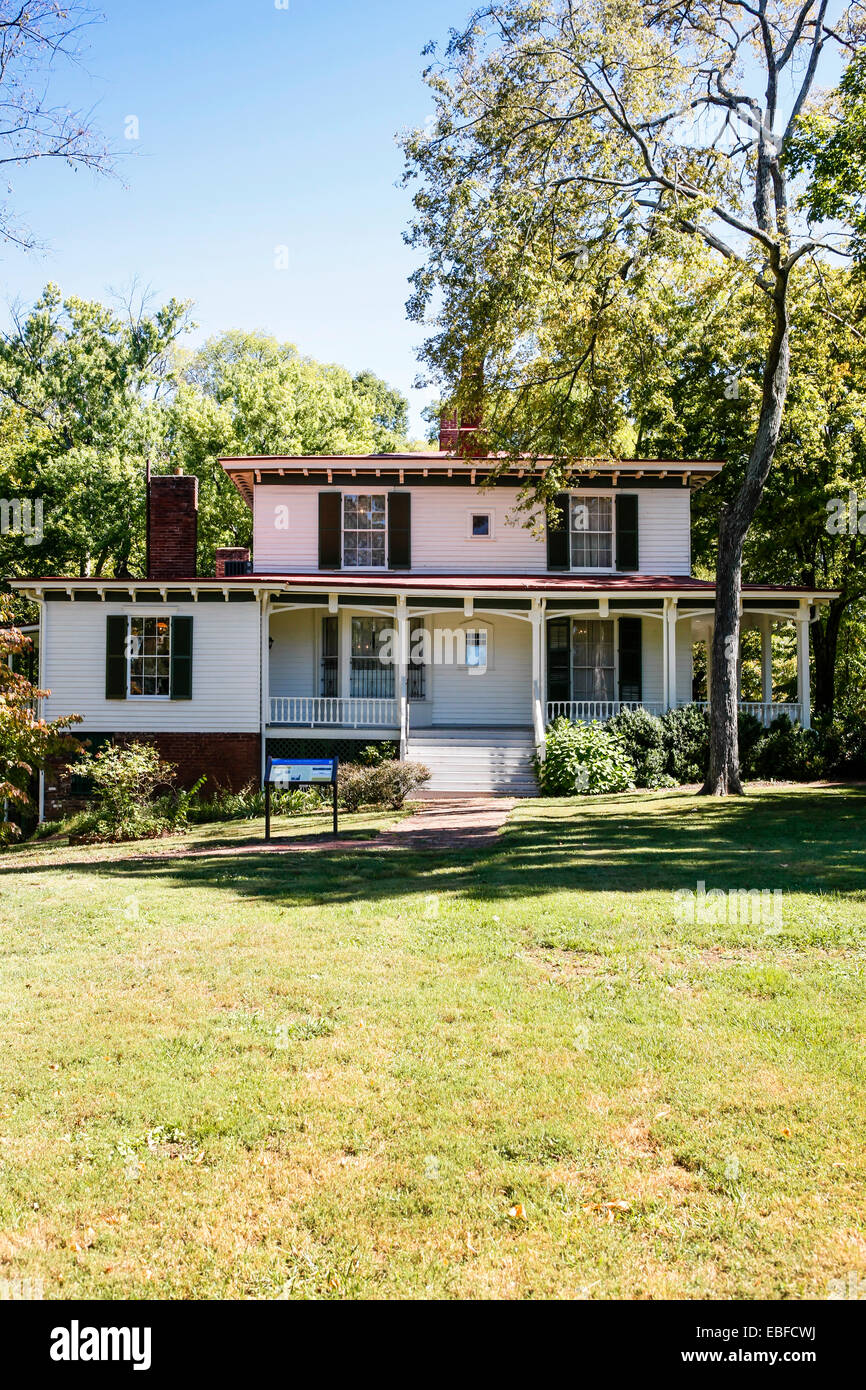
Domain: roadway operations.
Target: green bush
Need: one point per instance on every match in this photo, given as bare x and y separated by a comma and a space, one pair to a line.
249, 804
788, 753
643, 737
583, 758
687, 742
376, 753
384, 784
124, 781
843, 744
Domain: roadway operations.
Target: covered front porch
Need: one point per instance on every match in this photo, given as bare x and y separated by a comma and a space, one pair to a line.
377, 666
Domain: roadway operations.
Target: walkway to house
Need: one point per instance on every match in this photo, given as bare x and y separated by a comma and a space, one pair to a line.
458, 822
443, 823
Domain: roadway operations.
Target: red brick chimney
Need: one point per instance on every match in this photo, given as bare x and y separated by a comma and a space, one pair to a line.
172, 513
462, 432
231, 560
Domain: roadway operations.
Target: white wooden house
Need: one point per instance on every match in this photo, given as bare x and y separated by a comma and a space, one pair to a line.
399, 598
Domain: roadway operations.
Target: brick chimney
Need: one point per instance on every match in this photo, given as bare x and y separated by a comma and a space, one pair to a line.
172, 516
231, 560
461, 432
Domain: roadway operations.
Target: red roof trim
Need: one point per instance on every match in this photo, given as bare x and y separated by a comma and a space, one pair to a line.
614, 584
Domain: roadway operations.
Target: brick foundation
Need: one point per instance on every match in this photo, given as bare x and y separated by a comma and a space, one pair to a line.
227, 760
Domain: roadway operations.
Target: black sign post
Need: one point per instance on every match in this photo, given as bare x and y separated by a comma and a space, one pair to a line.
299, 772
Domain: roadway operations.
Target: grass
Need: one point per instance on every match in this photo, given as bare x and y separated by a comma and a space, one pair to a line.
509, 1073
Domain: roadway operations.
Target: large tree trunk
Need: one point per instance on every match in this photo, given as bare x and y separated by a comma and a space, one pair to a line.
723, 775
825, 644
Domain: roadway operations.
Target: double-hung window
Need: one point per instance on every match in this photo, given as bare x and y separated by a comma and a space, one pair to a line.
149, 657
593, 673
365, 529
592, 533
371, 676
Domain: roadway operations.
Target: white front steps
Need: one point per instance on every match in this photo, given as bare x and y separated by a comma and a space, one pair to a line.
476, 760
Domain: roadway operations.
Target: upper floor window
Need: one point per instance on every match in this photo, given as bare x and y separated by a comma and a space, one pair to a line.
592, 533
365, 527
479, 526
149, 657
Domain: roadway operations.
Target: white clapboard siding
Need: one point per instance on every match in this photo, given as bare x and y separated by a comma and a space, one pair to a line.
293, 669
225, 670
503, 693
439, 523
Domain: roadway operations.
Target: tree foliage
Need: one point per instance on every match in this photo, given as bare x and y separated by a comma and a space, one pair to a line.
26, 741
573, 149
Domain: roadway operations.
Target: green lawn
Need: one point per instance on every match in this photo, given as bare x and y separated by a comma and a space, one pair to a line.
387, 1074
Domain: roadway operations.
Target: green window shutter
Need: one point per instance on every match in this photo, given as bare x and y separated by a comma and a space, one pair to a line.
115, 656
627, 540
558, 534
631, 659
559, 659
330, 530
181, 658
400, 531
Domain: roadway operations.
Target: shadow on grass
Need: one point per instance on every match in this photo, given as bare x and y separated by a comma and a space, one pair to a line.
803, 842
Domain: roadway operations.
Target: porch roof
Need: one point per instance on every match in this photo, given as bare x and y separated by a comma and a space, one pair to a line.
645, 585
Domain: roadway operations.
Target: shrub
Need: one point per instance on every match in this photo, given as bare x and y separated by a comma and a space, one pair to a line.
687, 743
384, 784
124, 781
786, 752
843, 744
750, 732
583, 758
249, 804
376, 753
643, 737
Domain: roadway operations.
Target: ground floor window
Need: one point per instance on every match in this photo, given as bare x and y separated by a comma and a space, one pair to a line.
330, 682
593, 660
149, 652
417, 669
369, 677
476, 650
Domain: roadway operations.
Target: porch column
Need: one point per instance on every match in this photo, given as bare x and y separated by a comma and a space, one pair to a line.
265, 677
669, 652
402, 673
803, 693
538, 710
766, 659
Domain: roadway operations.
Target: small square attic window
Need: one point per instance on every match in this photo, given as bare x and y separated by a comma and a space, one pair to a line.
480, 526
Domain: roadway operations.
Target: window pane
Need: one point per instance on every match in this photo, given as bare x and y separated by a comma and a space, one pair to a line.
592, 533
593, 659
481, 524
150, 656
365, 517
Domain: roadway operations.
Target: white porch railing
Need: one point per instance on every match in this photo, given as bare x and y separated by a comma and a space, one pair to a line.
583, 711
346, 714
765, 712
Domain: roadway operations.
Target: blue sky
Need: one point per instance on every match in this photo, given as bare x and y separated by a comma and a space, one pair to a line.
259, 128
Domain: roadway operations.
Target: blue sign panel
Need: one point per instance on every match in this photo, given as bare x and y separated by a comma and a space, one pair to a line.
300, 772
285, 772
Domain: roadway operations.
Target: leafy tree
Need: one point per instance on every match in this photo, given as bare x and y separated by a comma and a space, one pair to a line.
681, 409
76, 380
573, 148
246, 393
26, 741
829, 141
